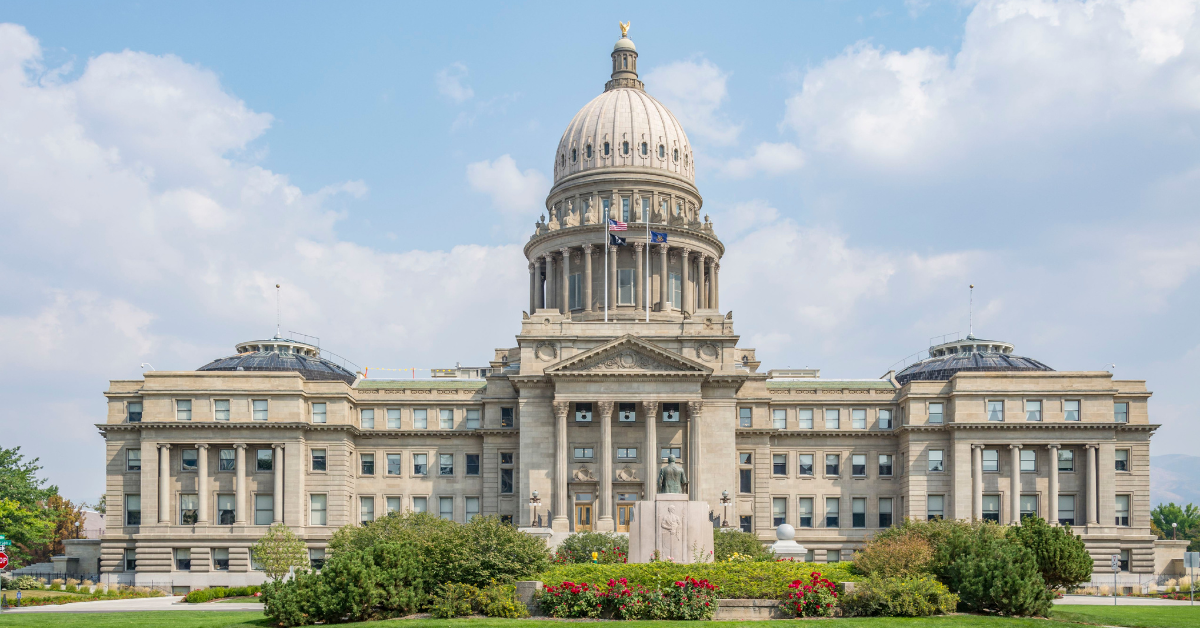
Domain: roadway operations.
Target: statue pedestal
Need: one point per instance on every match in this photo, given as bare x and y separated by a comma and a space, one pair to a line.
677, 528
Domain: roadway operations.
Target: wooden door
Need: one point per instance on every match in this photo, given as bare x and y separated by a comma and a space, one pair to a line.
624, 514
583, 517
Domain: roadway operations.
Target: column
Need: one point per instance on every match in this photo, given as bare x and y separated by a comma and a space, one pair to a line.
588, 304
664, 303
604, 520
1053, 505
164, 483
294, 497
650, 411
612, 277
1015, 484
1093, 512
239, 485
702, 283
551, 284
695, 449
565, 305
532, 287
715, 301
684, 270
977, 482
277, 494
562, 521
202, 483
638, 301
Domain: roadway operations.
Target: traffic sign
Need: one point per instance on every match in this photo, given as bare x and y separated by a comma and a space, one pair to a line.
1191, 560
5, 542
1116, 562
3, 560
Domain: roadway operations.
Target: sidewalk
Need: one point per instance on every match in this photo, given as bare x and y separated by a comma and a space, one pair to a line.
1106, 600
168, 603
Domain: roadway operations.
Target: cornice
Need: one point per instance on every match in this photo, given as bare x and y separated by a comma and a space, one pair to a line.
312, 427
760, 431
1070, 425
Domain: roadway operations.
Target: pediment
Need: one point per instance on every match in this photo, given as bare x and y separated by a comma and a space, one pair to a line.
628, 355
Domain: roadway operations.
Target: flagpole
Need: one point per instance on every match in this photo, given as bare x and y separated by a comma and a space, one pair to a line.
606, 267
646, 284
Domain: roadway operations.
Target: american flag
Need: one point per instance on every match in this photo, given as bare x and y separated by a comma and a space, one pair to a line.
617, 225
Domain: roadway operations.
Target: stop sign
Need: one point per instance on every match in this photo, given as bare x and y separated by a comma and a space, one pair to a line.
3, 560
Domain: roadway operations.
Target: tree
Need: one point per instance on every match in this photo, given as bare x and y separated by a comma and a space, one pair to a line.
29, 530
1062, 558
67, 519
1186, 517
279, 550
19, 481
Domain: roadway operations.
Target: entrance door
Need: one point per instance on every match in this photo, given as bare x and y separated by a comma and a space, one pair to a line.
583, 517
624, 514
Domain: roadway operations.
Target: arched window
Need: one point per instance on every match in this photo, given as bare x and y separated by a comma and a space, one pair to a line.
606, 149
625, 62
574, 156
625, 147
562, 160
685, 160
588, 151
645, 149
662, 151
676, 154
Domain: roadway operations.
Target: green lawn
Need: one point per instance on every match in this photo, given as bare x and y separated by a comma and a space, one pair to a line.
32, 593
1133, 616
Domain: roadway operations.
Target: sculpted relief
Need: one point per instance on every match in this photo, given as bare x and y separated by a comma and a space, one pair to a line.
627, 360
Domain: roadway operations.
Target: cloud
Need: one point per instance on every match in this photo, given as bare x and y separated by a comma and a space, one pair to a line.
451, 83
511, 190
770, 159
694, 91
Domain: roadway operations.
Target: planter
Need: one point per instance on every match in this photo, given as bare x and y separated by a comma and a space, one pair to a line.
748, 610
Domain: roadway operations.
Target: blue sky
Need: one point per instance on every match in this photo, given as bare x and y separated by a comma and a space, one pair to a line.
165, 165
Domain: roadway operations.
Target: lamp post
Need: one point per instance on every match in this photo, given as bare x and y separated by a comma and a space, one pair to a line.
534, 501
1174, 527
725, 502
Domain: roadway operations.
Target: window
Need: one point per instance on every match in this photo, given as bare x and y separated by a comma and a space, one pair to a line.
317, 510
885, 419
885, 512
575, 292
991, 460
1123, 559
221, 413
133, 412
645, 149
745, 480
645, 208
260, 409
227, 460
318, 413
991, 508
473, 419
670, 412
392, 504
420, 504
832, 463
316, 558
625, 208
779, 419
1071, 410
506, 481
255, 563
445, 464
885, 464
183, 559
1066, 509
318, 459
858, 465
183, 409
472, 464
858, 512
745, 417
446, 419
189, 507
667, 452
627, 453
936, 412
130, 559
778, 511
225, 509
936, 507
583, 412
264, 460
746, 523
1121, 412
133, 460
1066, 460
264, 509
506, 458
1122, 510
779, 464
1029, 506
472, 504
831, 512
584, 453
188, 460
662, 151
806, 464
587, 151
744, 458
936, 462
420, 464
420, 419
575, 153
675, 286
367, 463
506, 417
133, 510
605, 205
446, 508
833, 418
1122, 459
393, 464
1033, 410
393, 418
1028, 461
804, 417
626, 412
858, 419
805, 512
675, 153
366, 509
995, 410
624, 284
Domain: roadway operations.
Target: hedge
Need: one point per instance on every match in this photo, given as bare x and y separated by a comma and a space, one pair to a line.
756, 580
197, 596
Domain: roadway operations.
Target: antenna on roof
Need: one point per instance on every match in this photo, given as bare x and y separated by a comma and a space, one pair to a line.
971, 313
277, 325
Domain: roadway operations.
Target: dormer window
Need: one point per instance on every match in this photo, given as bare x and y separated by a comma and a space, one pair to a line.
662, 151
588, 151
562, 161
625, 148
606, 149
676, 154
645, 149
574, 155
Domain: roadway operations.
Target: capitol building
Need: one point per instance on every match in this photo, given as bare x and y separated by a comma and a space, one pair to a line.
625, 357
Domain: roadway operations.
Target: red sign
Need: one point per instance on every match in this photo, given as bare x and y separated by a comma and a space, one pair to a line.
3, 560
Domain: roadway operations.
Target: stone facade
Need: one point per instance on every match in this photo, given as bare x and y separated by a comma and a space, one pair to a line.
624, 357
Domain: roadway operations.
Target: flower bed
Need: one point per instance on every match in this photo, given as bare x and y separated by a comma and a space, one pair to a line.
736, 580
816, 598
687, 599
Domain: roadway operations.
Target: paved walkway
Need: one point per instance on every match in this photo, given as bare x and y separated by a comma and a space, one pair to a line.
166, 603
1106, 600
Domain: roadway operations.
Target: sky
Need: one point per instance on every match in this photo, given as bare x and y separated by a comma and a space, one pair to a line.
164, 165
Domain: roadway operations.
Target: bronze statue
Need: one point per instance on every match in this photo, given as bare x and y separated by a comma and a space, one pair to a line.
671, 478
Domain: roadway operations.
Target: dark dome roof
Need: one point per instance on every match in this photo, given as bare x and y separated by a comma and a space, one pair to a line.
971, 354
281, 355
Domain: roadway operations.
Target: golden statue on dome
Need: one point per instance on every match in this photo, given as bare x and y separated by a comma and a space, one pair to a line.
624, 28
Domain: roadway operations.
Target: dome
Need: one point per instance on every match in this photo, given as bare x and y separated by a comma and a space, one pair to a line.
281, 355
970, 354
624, 43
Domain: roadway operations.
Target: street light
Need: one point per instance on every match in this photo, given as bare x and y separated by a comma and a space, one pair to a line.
725, 501
1174, 526
534, 501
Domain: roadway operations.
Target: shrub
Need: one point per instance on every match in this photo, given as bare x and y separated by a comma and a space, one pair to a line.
500, 600
578, 548
906, 554
454, 600
990, 573
756, 580
198, 596
1062, 558
816, 598
687, 599
911, 596
726, 543
570, 599
24, 583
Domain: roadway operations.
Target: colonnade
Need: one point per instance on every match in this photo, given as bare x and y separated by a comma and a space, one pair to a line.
166, 487
1091, 473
